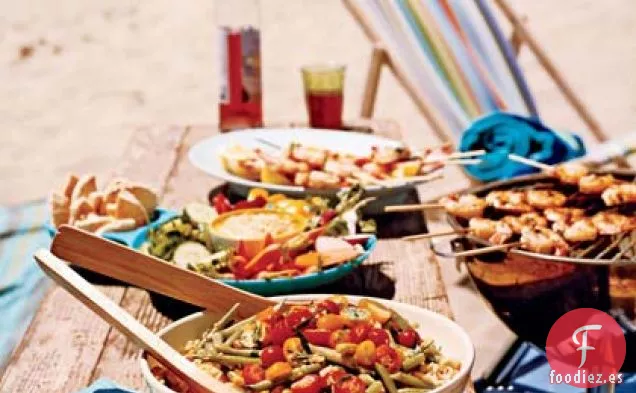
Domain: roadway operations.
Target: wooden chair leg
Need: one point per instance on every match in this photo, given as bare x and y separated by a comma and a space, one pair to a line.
552, 70
516, 38
378, 59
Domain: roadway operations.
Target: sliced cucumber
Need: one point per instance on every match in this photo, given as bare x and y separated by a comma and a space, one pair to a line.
190, 253
199, 213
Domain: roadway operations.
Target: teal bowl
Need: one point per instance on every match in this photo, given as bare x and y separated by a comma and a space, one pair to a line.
283, 285
267, 287
127, 237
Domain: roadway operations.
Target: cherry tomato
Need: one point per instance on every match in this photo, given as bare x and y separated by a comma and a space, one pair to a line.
317, 336
339, 337
253, 373
221, 204
271, 355
360, 332
297, 315
331, 322
332, 374
329, 306
378, 336
257, 202
408, 338
350, 384
365, 354
389, 358
327, 216
311, 383
257, 192
278, 389
278, 332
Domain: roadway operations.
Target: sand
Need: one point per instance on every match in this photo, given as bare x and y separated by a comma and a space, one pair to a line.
79, 76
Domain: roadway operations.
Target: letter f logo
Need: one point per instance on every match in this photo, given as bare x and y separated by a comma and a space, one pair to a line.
583, 344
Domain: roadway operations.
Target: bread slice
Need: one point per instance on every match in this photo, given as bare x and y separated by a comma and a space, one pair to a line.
60, 209
145, 195
130, 207
71, 182
92, 222
86, 185
80, 208
117, 225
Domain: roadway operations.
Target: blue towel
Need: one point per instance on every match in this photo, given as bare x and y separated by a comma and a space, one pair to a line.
105, 386
22, 283
502, 133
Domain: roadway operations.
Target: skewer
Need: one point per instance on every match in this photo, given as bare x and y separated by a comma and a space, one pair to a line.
464, 154
412, 208
532, 163
434, 234
462, 161
398, 182
486, 250
625, 249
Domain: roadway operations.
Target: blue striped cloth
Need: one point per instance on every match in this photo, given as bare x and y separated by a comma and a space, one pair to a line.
22, 283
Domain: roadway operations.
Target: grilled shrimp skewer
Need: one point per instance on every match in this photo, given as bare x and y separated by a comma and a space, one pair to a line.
569, 173
544, 241
465, 206
619, 194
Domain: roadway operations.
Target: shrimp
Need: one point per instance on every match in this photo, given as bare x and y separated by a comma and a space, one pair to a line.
482, 228
544, 241
618, 194
465, 206
563, 214
513, 202
570, 173
496, 232
525, 220
595, 184
312, 156
581, 231
543, 199
389, 155
613, 223
318, 179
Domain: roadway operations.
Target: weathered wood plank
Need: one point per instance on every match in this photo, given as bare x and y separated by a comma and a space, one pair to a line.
162, 155
65, 340
120, 357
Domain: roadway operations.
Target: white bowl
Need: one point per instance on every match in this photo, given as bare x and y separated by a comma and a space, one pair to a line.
453, 340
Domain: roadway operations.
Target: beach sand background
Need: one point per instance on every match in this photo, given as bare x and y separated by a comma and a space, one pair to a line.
77, 77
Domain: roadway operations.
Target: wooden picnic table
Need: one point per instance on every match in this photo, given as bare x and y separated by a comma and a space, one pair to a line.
67, 347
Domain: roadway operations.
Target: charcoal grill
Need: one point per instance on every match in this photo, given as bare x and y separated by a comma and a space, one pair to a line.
529, 291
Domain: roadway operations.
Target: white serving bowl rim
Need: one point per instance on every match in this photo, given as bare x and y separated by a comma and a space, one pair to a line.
456, 384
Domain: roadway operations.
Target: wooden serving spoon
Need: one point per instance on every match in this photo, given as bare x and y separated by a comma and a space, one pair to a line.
114, 260
101, 305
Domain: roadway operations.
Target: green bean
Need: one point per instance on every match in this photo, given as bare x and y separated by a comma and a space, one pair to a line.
225, 318
413, 390
230, 359
366, 378
236, 351
237, 326
261, 385
346, 348
386, 378
415, 382
232, 337
413, 361
303, 370
329, 354
374, 387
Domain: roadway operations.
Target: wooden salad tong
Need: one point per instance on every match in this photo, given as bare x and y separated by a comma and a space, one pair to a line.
114, 260
117, 317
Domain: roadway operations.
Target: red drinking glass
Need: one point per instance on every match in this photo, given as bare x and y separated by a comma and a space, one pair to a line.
324, 85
